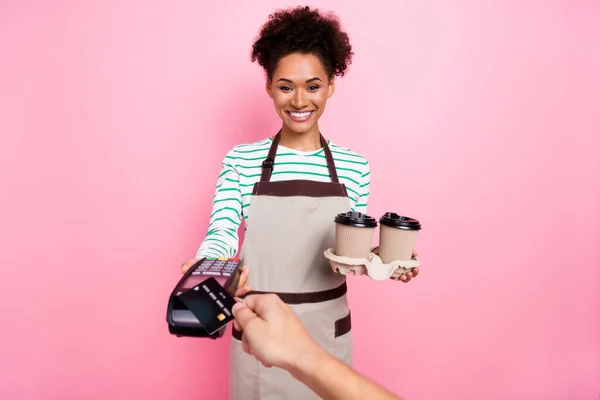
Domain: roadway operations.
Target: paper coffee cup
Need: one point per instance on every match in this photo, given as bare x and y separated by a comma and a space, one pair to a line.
354, 234
397, 237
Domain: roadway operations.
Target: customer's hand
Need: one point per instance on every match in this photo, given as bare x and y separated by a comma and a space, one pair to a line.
242, 287
272, 332
273, 335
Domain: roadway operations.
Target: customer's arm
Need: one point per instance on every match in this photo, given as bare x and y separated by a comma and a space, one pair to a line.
273, 334
332, 379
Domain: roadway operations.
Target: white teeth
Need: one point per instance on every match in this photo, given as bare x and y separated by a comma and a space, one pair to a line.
300, 115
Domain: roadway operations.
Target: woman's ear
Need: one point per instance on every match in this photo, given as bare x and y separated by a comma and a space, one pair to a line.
331, 87
268, 88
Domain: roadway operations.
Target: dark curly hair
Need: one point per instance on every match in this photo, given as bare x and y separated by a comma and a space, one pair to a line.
302, 30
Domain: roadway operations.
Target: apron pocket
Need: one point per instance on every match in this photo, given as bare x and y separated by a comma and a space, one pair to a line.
343, 325
342, 342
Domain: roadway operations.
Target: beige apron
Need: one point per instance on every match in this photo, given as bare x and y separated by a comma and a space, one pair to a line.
292, 224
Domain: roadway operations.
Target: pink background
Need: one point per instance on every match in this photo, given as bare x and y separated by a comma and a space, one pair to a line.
482, 120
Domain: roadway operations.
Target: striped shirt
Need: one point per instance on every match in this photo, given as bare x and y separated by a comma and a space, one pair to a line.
241, 169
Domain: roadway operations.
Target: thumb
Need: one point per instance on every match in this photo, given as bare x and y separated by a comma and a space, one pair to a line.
242, 314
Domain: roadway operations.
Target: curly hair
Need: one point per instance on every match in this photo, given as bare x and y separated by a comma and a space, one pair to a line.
302, 30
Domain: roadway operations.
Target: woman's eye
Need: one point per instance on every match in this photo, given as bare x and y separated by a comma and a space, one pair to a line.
285, 88
313, 88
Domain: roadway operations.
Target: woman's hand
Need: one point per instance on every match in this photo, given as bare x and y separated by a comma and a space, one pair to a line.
404, 277
242, 287
410, 274
188, 264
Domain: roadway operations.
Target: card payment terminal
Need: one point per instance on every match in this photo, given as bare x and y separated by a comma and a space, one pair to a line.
182, 322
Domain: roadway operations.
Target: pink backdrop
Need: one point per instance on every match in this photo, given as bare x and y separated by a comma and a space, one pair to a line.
480, 120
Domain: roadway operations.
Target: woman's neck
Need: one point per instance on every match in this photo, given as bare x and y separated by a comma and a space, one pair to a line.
307, 141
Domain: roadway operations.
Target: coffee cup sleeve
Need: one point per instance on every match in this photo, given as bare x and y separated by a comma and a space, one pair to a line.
372, 266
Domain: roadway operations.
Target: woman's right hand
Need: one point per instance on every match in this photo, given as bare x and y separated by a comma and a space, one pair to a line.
188, 264
242, 290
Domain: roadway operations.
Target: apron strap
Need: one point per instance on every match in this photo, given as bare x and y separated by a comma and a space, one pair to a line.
330, 163
267, 165
269, 162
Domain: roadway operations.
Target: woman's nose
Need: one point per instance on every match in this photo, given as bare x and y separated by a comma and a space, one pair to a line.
299, 100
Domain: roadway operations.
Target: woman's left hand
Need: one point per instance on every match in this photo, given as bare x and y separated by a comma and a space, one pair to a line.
404, 277
410, 274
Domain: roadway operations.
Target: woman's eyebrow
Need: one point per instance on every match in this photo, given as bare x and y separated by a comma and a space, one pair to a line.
316, 78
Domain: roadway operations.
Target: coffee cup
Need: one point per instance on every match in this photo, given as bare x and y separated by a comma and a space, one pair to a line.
354, 234
397, 237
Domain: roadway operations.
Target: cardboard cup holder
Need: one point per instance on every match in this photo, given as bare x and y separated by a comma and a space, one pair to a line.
372, 266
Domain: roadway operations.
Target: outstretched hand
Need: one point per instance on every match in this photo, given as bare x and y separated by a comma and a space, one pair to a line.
271, 331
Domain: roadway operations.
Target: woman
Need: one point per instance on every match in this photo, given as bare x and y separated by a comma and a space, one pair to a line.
288, 189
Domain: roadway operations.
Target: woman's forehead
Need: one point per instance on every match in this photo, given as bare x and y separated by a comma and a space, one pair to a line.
299, 67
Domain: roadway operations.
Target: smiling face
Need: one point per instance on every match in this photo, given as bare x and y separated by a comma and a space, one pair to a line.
300, 88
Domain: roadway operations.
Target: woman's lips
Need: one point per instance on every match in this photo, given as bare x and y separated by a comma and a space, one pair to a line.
300, 116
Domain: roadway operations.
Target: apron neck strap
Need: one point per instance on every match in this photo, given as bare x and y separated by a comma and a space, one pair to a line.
330, 162
267, 165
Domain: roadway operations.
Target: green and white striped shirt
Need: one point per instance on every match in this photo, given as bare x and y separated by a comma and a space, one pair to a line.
241, 169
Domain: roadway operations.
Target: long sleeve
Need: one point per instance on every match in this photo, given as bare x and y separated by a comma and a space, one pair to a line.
363, 189
222, 238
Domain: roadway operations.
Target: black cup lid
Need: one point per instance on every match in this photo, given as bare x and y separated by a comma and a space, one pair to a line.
353, 218
398, 221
